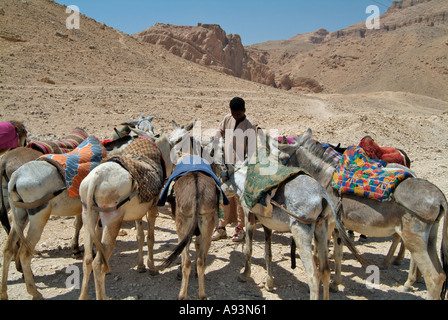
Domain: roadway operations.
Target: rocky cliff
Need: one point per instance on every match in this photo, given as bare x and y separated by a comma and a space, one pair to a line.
209, 45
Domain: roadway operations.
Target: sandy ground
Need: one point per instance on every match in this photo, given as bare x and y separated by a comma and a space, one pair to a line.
399, 119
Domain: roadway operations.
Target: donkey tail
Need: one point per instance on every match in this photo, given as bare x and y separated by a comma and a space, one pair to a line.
17, 228
444, 250
92, 221
186, 241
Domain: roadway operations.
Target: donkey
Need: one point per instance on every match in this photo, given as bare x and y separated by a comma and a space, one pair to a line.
36, 191
196, 199
9, 163
414, 214
108, 197
305, 210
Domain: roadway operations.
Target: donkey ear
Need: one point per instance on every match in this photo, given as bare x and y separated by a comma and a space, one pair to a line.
174, 124
120, 134
132, 123
190, 126
308, 134
150, 118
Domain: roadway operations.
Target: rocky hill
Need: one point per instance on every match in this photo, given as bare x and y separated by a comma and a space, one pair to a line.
209, 45
407, 53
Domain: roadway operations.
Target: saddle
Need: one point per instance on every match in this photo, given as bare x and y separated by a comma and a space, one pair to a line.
72, 141
76, 165
259, 188
144, 161
386, 154
193, 164
8, 136
357, 174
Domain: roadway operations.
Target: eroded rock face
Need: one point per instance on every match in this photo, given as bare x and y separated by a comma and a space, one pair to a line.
209, 45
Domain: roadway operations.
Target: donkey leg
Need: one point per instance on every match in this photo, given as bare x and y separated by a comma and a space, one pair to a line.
390, 254
268, 258
303, 236
26, 252
397, 261
422, 252
321, 239
87, 264
247, 251
151, 217
141, 241
75, 240
110, 233
8, 254
206, 226
11, 248
338, 251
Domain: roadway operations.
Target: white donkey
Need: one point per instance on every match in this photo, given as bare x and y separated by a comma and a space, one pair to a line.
301, 206
109, 197
36, 191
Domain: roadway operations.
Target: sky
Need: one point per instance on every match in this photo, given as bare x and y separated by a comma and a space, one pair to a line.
254, 20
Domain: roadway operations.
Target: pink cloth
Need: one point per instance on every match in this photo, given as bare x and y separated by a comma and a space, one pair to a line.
8, 136
289, 140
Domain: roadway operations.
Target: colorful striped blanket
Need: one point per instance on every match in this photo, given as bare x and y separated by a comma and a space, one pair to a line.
73, 140
77, 164
357, 174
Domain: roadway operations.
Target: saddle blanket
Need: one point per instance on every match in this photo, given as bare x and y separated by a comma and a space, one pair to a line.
257, 186
72, 141
8, 136
357, 174
143, 159
77, 164
192, 164
386, 154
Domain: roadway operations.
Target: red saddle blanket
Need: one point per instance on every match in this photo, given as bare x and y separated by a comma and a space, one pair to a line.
77, 164
387, 154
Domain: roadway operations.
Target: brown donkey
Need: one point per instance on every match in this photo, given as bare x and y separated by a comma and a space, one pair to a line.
195, 209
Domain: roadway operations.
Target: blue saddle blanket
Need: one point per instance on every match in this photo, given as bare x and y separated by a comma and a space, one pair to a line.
187, 165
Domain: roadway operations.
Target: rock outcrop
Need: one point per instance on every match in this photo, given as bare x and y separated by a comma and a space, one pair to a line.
209, 45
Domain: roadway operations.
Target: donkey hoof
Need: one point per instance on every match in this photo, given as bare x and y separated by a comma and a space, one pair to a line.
334, 287
38, 296
243, 278
141, 269
408, 289
153, 272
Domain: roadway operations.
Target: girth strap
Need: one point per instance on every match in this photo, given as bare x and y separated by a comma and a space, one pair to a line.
114, 208
317, 221
38, 203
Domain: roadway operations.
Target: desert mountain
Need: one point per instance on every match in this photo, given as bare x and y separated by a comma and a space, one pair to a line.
209, 45
55, 79
407, 53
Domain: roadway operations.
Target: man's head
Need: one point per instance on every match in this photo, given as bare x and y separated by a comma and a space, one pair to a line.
238, 108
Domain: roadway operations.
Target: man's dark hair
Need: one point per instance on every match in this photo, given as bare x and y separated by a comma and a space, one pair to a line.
237, 104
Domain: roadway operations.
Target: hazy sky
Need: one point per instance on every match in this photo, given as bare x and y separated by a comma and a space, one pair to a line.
254, 20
